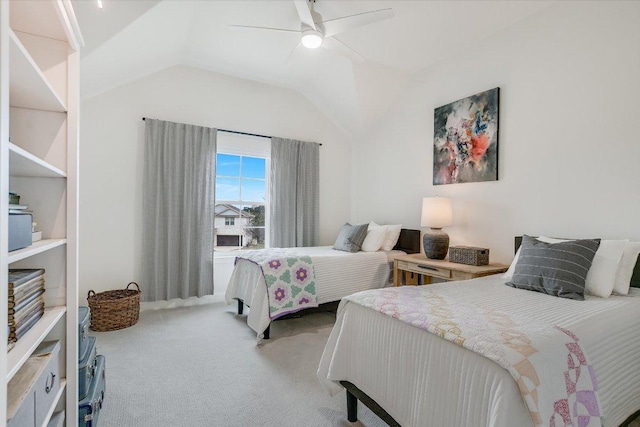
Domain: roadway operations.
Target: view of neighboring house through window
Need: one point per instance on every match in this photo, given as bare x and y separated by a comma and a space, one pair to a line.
241, 196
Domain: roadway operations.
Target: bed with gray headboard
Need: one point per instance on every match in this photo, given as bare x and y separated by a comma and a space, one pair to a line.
428, 380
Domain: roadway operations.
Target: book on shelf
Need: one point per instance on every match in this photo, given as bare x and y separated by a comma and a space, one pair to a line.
26, 290
18, 207
21, 321
25, 301
29, 323
16, 318
21, 277
28, 320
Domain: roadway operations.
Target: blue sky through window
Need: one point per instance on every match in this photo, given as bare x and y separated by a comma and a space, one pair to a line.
235, 173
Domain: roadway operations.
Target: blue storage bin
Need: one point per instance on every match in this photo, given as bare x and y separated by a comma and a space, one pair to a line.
89, 408
87, 368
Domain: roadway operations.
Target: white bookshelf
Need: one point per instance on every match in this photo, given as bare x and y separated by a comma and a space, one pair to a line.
35, 249
39, 160
24, 164
29, 88
32, 339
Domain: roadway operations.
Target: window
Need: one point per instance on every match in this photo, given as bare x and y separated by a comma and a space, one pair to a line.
242, 170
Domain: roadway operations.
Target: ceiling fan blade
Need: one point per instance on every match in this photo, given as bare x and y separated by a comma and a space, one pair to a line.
292, 52
304, 11
334, 44
340, 25
249, 27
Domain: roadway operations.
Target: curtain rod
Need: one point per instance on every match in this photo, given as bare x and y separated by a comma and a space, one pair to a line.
243, 133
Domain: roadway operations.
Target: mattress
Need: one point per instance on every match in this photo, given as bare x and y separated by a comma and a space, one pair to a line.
338, 274
423, 380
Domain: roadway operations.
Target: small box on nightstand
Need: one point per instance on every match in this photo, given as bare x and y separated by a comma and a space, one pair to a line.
469, 255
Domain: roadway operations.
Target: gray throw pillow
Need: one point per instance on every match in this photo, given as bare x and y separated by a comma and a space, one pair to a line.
351, 237
558, 269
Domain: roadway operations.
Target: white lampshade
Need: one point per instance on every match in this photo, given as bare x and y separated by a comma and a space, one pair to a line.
436, 212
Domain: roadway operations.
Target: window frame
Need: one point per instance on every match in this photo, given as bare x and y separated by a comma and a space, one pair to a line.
245, 146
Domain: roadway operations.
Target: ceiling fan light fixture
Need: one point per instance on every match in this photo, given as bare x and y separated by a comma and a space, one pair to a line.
311, 39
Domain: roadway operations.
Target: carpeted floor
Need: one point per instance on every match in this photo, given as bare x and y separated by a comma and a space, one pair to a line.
200, 366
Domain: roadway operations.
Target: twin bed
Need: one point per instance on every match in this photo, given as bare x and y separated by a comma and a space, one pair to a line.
492, 357
412, 378
337, 274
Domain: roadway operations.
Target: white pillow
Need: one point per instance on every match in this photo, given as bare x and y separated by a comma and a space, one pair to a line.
392, 234
374, 240
625, 268
508, 275
602, 274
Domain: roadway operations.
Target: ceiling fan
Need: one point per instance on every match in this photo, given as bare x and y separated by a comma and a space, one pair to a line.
315, 32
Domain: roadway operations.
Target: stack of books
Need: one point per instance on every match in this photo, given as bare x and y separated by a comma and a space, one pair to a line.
19, 209
26, 301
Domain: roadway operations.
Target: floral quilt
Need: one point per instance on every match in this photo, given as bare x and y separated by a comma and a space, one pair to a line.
557, 383
290, 279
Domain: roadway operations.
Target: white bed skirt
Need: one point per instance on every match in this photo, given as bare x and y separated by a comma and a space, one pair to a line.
423, 380
338, 274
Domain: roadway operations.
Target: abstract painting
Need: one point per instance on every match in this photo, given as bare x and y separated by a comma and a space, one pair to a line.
465, 139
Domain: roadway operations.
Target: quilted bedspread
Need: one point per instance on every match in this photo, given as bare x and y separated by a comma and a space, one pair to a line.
290, 280
554, 376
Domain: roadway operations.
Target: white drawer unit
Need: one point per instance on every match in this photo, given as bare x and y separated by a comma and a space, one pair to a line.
35, 389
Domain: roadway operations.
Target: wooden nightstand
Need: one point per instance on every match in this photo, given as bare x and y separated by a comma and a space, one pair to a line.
444, 269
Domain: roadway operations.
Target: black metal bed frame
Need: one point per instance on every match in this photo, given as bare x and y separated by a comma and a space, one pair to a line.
353, 393
408, 241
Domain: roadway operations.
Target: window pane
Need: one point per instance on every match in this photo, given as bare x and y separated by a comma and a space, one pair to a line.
227, 189
227, 165
253, 190
236, 227
253, 167
254, 215
254, 238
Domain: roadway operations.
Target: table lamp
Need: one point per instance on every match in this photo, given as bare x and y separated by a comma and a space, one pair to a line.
436, 213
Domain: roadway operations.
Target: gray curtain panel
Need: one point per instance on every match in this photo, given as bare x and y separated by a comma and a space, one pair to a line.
178, 210
295, 193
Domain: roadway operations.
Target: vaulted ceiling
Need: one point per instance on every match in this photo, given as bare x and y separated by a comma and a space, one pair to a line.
127, 40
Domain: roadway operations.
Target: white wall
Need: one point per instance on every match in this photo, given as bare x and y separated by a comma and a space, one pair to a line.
569, 146
112, 133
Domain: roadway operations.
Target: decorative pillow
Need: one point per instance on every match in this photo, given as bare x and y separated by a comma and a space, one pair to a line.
392, 234
351, 237
558, 269
509, 273
374, 240
626, 267
602, 274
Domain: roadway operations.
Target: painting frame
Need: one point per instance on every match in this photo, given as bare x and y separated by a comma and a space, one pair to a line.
466, 139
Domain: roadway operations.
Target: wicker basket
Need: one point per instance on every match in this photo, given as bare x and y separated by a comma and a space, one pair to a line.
469, 255
113, 310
